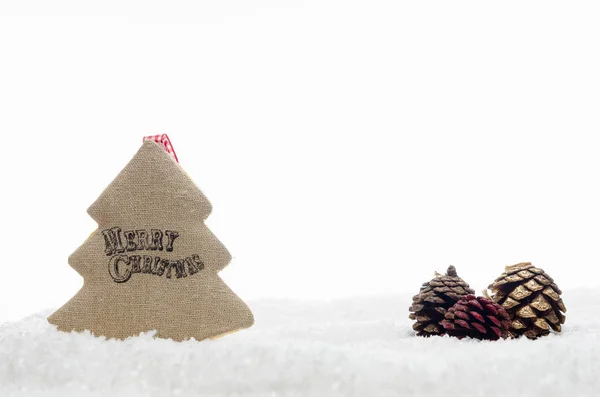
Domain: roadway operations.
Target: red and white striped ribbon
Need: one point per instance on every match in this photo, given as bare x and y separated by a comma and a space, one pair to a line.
164, 140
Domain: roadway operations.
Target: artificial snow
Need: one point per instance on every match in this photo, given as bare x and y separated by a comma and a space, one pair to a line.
354, 347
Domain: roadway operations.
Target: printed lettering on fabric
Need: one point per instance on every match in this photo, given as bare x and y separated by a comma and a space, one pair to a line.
122, 265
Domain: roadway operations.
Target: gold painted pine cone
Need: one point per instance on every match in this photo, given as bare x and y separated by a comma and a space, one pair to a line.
434, 299
532, 300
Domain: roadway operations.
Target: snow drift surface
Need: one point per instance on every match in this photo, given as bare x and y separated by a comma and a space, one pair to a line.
355, 347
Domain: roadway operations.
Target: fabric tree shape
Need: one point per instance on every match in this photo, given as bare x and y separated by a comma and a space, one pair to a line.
152, 263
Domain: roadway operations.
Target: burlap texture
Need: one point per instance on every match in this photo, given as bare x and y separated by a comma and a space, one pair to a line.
152, 193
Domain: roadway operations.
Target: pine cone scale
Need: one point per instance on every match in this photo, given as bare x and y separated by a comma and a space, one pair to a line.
542, 280
518, 267
423, 319
551, 293
463, 324
497, 331
532, 285
494, 320
440, 310
477, 316
492, 309
540, 304
432, 329
462, 315
416, 307
454, 296
434, 299
520, 293
526, 312
542, 324
525, 274
517, 324
509, 303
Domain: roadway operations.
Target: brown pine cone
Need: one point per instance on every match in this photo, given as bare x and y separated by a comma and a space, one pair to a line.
478, 318
531, 298
434, 299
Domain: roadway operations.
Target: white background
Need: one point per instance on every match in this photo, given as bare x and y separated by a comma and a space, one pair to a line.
348, 148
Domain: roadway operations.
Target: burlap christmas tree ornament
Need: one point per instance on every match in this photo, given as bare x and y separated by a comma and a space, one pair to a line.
152, 263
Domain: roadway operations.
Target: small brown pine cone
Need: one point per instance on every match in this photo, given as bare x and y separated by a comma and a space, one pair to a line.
478, 318
434, 299
532, 300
